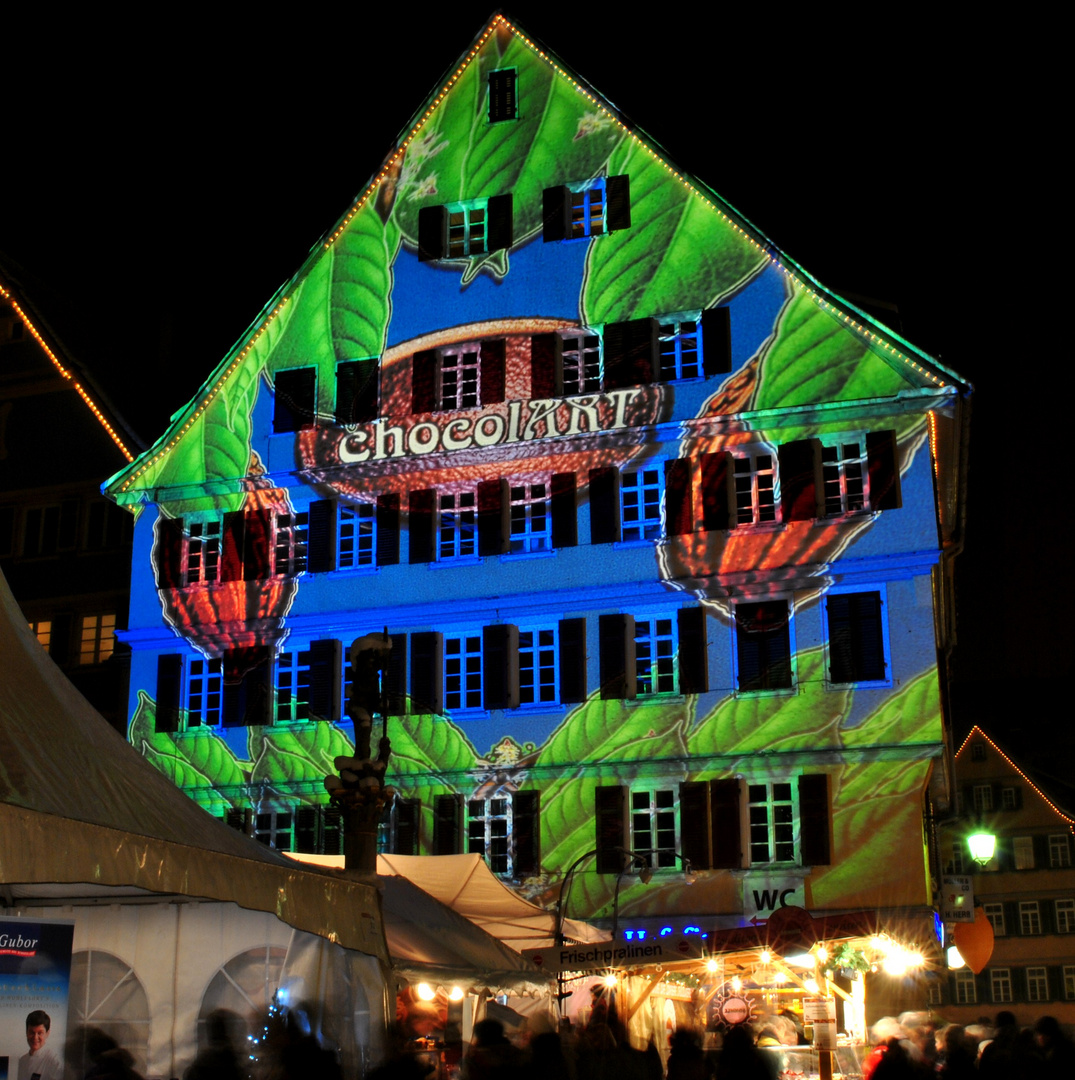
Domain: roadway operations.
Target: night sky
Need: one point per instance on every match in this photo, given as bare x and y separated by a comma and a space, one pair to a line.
157, 190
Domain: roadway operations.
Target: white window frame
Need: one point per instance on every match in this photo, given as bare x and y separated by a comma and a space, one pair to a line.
656, 655
459, 377
490, 822
1059, 851
654, 824
1069, 982
203, 692
580, 362
680, 347
291, 687
983, 798
995, 914
457, 525
1037, 983
539, 665
843, 590
1000, 985
1065, 916
779, 819
1029, 918
469, 222
291, 543
204, 548
531, 515
1022, 852
756, 486
97, 639
966, 988
1008, 800
356, 535
845, 478
959, 858
463, 671
642, 497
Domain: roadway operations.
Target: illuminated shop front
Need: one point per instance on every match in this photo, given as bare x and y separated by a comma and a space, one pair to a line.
659, 529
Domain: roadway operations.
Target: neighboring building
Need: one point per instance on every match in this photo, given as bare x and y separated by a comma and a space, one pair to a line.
1027, 891
661, 530
65, 550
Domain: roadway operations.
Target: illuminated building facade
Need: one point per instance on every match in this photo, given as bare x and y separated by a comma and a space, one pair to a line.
660, 529
1027, 889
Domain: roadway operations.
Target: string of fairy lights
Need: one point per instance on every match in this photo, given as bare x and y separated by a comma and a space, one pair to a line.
81, 390
396, 157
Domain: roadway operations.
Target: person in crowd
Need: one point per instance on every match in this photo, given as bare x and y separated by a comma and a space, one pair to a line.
220, 1059
687, 1061
108, 1060
491, 1056
883, 1034
1057, 1050
955, 1054
740, 1059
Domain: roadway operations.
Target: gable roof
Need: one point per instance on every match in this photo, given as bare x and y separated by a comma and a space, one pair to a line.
338, 305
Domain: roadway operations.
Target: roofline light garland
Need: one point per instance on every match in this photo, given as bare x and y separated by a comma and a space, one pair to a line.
26, 321
401, 149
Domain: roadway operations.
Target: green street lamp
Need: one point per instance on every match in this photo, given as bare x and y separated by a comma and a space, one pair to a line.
982, 847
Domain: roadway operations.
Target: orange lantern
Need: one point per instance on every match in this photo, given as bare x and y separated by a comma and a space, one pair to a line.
975, 941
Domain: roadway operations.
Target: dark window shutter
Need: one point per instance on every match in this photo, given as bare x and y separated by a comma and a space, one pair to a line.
694, 823
231, 561
306, 830
604, 505
494, 517
1041, 851
427, 672
447, 824
693, 666
856, 639
238, 818
420, 527
500, 667
257, 545
247, 686
325, 661
60, 645
815, 846
565, 518
678, 504
617, 656
725, 805
169, 691
432, 232
169, 553
388, 529
883, 463
499, 222
357, 391
491, 371
395, 677
572, 660
716, 341
554, 214
630, 351
546, 366
763, 645
408, 816
798, 480
502, 95
526, 833
618, 196
609, 815
424, 381
294, 399
322, 536
715, 482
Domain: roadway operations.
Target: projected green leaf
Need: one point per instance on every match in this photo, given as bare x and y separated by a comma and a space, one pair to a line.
911, 715
431, 745
678, 253
303, 753
196, 759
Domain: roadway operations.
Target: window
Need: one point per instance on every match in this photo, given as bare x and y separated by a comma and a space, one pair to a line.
203, 552
763, 646
1023, 852
42, 630
457, 533
319, 830
294, 399
1065, 916
966, 990
755, 478
977, 752
586, 210
655, 656
459, 378
653, 826
843, 476
680, 349
641, 499
98, 638
489, 832
462, 376
856, 637
958, 858
1008, 798
502, 95
983, 798
1059, 850
356, 536
1037, 984
538, 666
463, 672
275, 829
465, 230
995, 914
1029, 917
772, 823
1069, 982
49, 529
203, 694
933, 992
1000, 984
581, 360
531, 519
292, 540
292, 687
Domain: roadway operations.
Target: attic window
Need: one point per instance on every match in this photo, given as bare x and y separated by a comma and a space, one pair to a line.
977, 752
503, 104
294, 402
